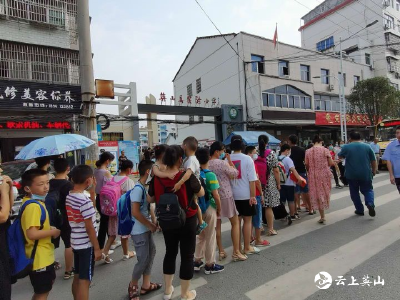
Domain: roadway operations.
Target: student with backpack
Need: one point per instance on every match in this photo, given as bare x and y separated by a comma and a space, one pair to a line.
110, 193
176, 214
102, 175
82, 218
125, 170
6, 202
210, 206
142, 236
55, 204
35, 224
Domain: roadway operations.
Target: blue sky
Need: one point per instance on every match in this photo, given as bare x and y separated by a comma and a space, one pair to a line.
146, 41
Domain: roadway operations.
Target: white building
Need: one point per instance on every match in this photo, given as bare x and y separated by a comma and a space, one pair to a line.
377, 45
275, 85
39, 71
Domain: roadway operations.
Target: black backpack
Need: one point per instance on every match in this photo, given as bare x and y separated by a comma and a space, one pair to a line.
169, 212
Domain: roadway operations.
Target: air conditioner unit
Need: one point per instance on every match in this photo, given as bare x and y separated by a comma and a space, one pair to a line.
372, 65
286, 76
392, 69
331, 87
386, 27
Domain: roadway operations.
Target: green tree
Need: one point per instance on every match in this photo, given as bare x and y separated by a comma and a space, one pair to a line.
376, 98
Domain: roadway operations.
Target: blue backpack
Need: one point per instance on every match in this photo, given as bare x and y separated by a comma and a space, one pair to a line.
124, 211
20, 264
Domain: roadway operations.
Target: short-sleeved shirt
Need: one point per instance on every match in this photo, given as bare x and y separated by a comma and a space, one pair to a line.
137, 196
193, 164
45, 249
358, 161
64, 186
288, 163
79, 209
101, 179
224, 172
375, 147
185, 193
247, 173
298, 156
212, 184
392, 154
127, 185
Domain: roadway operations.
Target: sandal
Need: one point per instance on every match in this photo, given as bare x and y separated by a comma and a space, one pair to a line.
153, 287
130, 255
236, 257
222, 255
254, 251
272, 232
106, 258
68, 275
322, 221
133, 292
263, 244
57, 265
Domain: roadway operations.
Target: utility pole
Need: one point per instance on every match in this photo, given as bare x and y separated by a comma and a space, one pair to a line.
342, 100
89, 126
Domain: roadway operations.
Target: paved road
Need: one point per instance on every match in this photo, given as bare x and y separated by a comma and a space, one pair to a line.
347, 246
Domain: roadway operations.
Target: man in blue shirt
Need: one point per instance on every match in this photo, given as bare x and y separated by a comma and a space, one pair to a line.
360, 168
392, 157
376, 148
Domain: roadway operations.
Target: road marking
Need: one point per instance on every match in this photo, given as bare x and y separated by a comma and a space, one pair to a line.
194, 284
299, 283
311, 225
226, 226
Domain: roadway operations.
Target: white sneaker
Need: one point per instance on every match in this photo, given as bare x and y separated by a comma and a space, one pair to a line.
115, 245
169, 296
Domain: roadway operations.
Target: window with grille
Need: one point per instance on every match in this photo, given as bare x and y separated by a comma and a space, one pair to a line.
43, 11
189, 90
37, 63
113, 136
198, 85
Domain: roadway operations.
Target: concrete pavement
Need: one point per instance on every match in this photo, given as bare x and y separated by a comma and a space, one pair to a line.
347, 245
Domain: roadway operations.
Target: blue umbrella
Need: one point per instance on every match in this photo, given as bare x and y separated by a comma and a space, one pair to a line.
54, 145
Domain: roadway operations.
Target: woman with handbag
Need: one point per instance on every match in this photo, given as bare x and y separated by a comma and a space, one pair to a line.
184, 237
272, 187
318, 163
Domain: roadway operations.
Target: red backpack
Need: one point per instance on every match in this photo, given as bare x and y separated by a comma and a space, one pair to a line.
262, 166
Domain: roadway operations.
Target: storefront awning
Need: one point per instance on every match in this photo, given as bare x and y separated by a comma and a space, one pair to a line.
292, 122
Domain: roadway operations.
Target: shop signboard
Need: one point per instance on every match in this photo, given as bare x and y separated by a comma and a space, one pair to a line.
333, 119
112, 147
34, 96
18, 125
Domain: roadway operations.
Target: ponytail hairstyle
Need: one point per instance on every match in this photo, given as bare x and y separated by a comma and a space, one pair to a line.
103, 158
262, 144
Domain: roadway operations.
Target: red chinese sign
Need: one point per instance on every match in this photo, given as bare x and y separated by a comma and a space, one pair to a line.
34, 125
333, 118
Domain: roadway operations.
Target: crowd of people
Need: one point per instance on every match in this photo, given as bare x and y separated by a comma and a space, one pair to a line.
185, 192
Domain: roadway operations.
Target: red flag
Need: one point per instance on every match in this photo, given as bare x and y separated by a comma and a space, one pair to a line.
276, 36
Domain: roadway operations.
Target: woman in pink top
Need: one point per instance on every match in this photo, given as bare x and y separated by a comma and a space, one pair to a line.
318, 163
225, 171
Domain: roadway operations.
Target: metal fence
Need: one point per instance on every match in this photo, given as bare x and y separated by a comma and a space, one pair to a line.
38, 63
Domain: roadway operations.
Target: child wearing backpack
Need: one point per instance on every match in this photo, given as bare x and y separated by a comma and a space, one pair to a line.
82, 219
125, 167
206, 240
142, 236
37, 231
257, 218
55, 204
